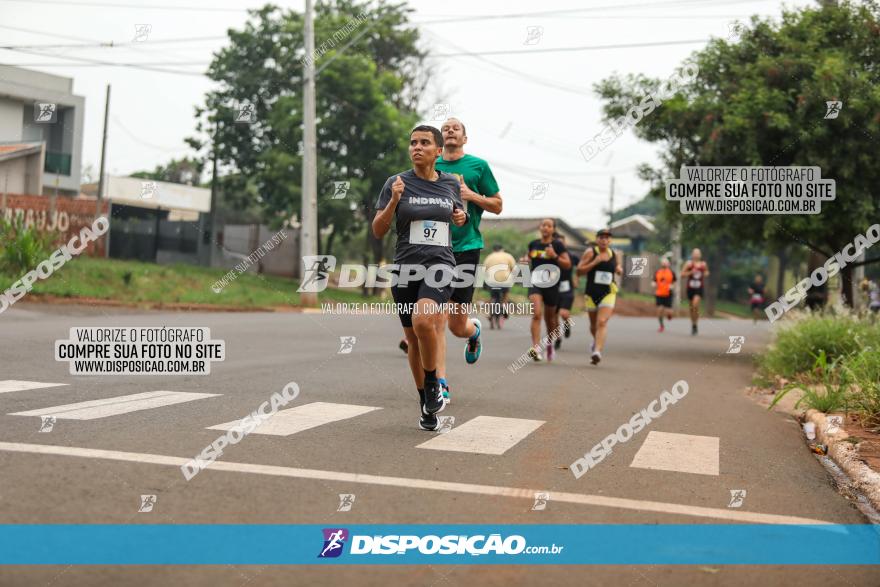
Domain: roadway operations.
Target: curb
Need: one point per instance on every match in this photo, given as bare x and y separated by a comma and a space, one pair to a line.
864, 479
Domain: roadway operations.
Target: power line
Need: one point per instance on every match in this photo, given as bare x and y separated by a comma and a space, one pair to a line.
475, 54
137, 47
109, 64
44, 33
133, 6
517, 170
143, 142
572, 49
553, 173
509, 70
571, 11
545, 13
113, 44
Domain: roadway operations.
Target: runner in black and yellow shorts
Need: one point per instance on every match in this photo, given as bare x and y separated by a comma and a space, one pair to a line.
600, 264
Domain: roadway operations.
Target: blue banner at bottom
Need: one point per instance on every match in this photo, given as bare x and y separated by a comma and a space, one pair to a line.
483, 544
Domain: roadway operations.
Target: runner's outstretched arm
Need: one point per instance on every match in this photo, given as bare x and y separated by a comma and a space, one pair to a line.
491, 203
564, 261
587, 262
385, 216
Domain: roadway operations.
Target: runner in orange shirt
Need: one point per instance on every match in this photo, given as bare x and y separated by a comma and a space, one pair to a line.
663, 280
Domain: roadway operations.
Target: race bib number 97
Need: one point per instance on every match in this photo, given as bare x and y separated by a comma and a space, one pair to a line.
429, 232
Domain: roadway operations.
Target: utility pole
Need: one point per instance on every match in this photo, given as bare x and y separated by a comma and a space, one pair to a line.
101, 181
675, 261
212, 225
308, 238
611, 203
675, 237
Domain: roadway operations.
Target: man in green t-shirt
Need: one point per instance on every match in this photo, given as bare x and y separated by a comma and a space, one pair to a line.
480, 191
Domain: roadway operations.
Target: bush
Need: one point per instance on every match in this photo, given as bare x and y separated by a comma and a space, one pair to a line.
835, 358
22, 248
863, 369
800, 342
829, 395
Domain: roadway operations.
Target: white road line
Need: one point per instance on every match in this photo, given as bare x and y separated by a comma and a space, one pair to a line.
293, 420
682, 453
487, 435
114, 406
409, 483
13, 385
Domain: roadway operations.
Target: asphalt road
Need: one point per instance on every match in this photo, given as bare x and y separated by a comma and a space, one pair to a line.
724, 440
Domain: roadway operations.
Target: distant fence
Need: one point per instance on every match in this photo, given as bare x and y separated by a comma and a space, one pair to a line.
241, 240
60, 214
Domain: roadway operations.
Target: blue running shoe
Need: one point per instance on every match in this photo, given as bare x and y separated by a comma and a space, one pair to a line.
474, 347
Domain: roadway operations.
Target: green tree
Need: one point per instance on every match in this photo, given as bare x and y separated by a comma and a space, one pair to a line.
366, 99
761, 101
188, 171
647, 206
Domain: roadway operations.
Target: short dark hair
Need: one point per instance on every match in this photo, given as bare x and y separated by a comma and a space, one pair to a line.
497, 247
438, 137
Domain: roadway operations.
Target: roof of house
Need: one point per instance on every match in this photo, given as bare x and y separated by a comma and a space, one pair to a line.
526, 225
637, 225
14, 150
146, 193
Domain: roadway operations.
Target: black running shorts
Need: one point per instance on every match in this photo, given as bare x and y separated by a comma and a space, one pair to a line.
550, 295
694, 291
566, 301
465, 295
407, 296
665, 301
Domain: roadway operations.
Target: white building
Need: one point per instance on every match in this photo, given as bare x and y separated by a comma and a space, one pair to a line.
38, 107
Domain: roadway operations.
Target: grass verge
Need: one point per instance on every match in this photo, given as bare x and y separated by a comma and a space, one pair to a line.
136, 282
835, 356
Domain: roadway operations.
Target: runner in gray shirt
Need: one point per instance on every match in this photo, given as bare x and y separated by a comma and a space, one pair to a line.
422, 202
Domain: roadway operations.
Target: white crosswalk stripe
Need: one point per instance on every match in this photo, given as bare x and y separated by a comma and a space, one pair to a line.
682, 453
488, 435
114, 406
9, 385
293, 420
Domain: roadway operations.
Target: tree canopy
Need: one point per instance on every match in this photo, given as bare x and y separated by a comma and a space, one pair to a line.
365, 106
761, 100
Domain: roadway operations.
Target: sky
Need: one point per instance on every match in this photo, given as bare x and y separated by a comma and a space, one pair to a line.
527, 113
